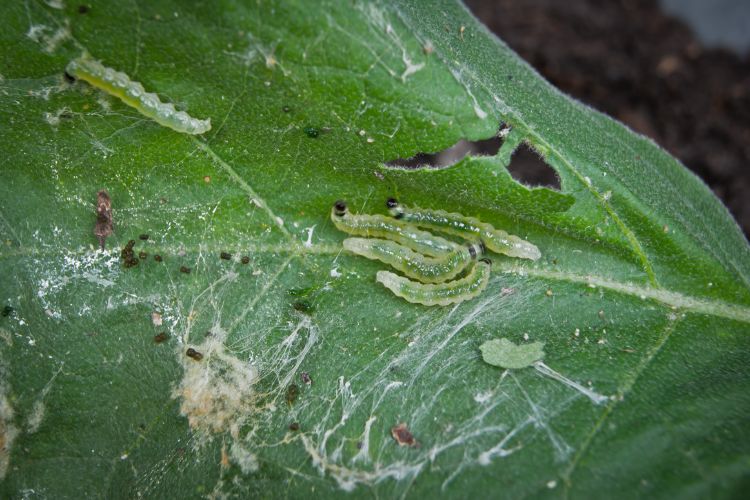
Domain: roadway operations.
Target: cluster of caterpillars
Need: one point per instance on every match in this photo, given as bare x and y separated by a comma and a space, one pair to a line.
438, 271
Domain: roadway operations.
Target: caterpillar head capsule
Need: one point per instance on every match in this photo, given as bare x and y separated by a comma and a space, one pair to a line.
394, 207
340, 208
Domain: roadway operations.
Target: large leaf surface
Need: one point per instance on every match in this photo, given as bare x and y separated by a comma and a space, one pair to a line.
641, 294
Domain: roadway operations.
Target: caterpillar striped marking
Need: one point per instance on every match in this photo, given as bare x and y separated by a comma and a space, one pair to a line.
133, 94
496, 240
381, 226
438, 294
413, 264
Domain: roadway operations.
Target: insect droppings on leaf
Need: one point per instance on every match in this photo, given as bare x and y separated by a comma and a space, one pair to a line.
292, 393
128, 255
142, 255
245, 259
306, 378
294, 426
161, 337
402, 436
185, 269
312, 132
192, 353
104, 224
83, 9
157, 257
143, 237
7, 311
225, 256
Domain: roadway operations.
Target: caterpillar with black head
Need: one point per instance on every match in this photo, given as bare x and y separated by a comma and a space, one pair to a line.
470, 228
381, 226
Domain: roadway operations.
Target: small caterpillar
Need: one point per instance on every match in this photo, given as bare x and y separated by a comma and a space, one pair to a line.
133, 94
413, 264
381, 226
439, 294
496, 240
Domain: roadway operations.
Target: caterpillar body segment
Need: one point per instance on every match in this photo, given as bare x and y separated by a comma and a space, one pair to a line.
133, 94
413, 264
384, 227
496, 240
438, 294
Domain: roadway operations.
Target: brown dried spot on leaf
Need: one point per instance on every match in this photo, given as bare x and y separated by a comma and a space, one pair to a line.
104, 224
403, 437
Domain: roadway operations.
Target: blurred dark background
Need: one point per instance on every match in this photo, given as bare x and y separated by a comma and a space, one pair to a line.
687, 86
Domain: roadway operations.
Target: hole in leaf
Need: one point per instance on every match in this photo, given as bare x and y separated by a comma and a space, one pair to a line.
451, 155
528, 168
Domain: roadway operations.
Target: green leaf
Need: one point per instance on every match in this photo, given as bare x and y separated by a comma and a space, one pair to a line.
505, 354
642, 294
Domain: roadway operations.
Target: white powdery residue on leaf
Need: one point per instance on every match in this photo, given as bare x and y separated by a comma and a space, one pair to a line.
49, 40
243, 458
308, 241
53, 119
348, 478
99, 268
38, 410
8, 431
217, 389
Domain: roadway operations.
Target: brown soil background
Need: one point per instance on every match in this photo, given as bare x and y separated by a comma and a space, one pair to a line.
647, 69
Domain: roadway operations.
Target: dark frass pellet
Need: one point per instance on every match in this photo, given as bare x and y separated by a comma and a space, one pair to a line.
245, 259
161, 337
82, 9
312, 132
143, 237
157, 257
192, 353
185, 269
142, 255
128, 255
225, 256
294, 426
7, 311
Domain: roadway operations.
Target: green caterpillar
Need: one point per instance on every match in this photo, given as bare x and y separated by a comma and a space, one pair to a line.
381, 226
413, 264
439, 294
133, 94
470, 228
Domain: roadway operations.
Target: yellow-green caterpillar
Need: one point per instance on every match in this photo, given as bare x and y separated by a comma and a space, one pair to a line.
133, 94
496, 240
381, 226
439, 294
413, 264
